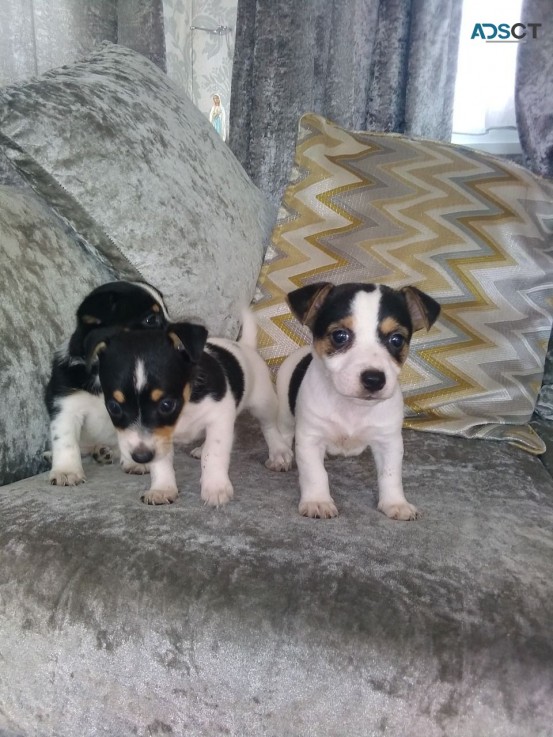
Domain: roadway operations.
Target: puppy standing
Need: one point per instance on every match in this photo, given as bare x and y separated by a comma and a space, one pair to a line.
78, 418
172, 386
344, 390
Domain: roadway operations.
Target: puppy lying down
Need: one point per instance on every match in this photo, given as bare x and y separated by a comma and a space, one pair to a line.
79, 423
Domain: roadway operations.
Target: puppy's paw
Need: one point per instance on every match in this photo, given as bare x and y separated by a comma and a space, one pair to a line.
280, 461
102, 454
138, 468
217, 494
402, 510
197, 452
160, 496
319, 510
59, 477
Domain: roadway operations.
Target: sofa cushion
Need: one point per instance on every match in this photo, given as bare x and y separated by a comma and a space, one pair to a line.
139, 172
46, 271
474, 231
123, 619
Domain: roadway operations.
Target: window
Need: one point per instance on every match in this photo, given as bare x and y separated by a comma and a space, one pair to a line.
484, 106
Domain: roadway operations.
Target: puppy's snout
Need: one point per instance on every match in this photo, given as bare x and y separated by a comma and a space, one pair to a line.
373, 381
142, 455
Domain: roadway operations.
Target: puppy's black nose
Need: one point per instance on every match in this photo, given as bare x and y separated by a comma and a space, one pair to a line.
142, 455
373, 381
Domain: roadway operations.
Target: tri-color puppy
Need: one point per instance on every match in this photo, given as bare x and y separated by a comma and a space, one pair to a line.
79, 422
175, 385
342, 394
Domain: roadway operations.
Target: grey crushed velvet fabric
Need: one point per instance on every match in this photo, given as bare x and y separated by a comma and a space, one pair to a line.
534, 108
9, 174
140, 27
544, 405
120, 619
364, 64
46, 271
37, 36
142, 174
544, 428
534, 89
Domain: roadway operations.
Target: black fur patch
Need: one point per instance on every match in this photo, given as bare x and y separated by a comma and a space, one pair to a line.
210, 380
337, 306
233, 370
169, 369
393, 304
123, 304
296, 379
166, 368
68, 376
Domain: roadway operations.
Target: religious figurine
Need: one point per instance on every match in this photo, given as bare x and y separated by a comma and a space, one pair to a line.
217, 117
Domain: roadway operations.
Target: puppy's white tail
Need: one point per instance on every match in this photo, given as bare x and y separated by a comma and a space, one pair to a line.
249, 329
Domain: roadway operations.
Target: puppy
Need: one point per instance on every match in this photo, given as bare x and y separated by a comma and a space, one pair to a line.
78, 418
175, 385
342, 393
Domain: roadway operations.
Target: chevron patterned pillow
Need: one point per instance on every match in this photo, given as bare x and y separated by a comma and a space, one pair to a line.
472, 230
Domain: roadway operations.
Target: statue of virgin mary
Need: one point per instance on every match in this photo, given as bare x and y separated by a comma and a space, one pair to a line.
217, 117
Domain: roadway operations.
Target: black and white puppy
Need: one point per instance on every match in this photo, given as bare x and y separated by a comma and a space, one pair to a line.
342, 394
79, 422
174, 385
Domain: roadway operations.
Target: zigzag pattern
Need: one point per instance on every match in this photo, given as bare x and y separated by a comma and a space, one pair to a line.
471, 230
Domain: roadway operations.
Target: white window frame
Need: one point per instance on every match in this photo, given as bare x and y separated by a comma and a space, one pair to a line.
475, 65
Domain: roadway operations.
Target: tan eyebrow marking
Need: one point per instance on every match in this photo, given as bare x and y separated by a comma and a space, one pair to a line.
91, 320
324, 346
119, 396
390, 325
156, 394
155, 308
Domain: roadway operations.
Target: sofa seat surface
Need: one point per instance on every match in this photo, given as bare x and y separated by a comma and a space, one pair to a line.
123, 619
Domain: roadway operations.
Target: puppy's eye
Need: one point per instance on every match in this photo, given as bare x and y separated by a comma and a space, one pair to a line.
152, 320
396, 340
114, 408
167, 406
340, 337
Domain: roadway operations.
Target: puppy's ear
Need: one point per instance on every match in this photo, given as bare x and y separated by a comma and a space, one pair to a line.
96, 343
98, 348
423, 309
307, 301
96, 308
188, 338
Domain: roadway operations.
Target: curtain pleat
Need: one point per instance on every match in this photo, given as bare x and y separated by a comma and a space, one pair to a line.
140, 27
37, 35
534, 89
385, 65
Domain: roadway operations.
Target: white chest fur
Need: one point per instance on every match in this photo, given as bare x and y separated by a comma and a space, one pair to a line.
344, 425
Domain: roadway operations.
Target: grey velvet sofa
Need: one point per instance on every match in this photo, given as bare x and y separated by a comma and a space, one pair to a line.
122, 619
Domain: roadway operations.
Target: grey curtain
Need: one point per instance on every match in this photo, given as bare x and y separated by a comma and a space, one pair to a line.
385, 65
140, 27
36, 35
534, 89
